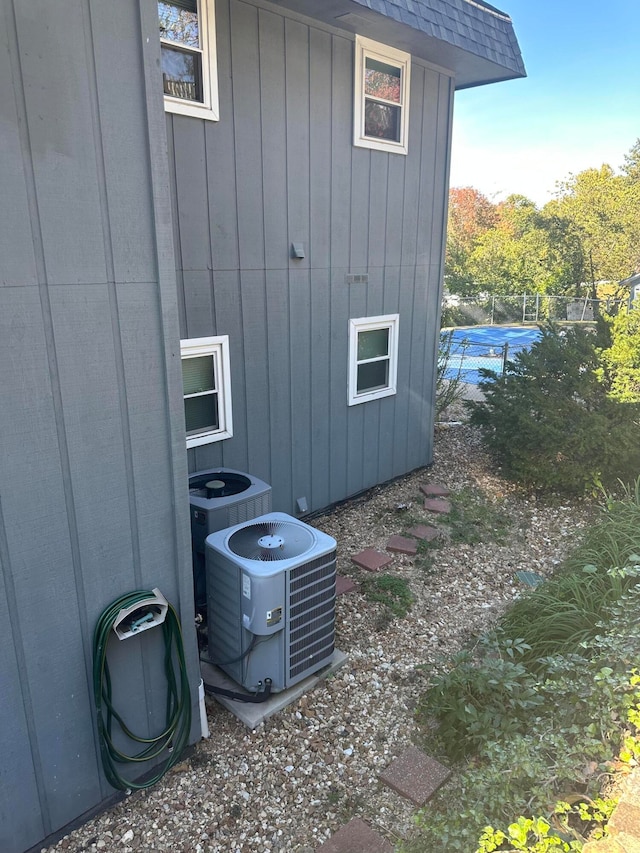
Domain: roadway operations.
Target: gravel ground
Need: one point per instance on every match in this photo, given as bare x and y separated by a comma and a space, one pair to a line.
288, 785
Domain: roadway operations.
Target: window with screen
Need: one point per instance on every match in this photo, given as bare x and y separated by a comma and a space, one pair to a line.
206, 384
373, 357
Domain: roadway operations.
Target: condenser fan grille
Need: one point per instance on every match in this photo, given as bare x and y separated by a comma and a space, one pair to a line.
268, 541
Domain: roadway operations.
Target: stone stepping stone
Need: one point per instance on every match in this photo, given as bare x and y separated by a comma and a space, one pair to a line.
415, 775
402, 545
355, 837
344, 585
371, 560
437, 505
433, 490
425, 532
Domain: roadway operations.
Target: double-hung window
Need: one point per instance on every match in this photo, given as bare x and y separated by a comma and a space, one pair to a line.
206, 383
382, 76
373, 358
187, 45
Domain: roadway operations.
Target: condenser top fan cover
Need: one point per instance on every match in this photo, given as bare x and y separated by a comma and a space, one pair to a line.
272, 540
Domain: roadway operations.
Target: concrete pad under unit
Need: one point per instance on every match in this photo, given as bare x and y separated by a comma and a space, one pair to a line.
251, 713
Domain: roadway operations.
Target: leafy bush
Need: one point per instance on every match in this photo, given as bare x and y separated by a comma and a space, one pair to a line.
621, 360
565, 610
523, 732
473, 702
615, 538
549, 421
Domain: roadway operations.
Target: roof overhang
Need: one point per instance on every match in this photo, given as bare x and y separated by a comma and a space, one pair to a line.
463, 44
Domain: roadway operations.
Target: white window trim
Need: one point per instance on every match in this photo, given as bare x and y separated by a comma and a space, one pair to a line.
210, 108
383, 53
365, 324
218, 347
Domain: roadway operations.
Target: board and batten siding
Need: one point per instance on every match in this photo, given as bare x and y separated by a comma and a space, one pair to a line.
280, 167
93, 499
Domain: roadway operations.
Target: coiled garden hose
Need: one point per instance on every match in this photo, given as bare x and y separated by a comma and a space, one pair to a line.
178, 706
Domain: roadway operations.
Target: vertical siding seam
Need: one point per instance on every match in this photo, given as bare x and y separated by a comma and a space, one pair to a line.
116, 332
170, 348
330, 270
428, 379
268, 421
22, 667
415, 258
212, 304
56, 392
290, 449
112, 291
239, 270
177, 232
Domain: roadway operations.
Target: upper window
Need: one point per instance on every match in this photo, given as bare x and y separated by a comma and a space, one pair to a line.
381, 96
187, 43
206, 382
373, 357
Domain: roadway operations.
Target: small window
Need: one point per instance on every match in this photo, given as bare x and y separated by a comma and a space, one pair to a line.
187, 46
206, 384
373, 358
381, 96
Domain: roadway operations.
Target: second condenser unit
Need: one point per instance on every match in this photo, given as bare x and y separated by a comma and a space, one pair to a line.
220, 498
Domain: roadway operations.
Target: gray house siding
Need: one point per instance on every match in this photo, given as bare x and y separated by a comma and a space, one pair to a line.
280, 167
92, 464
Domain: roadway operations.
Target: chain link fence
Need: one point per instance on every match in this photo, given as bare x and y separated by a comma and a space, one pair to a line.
464, 353
525, 308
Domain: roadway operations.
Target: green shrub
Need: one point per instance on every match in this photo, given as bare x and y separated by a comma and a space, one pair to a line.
475, 701
589, 706
549, 422
615, 538
564, 611
528, 720
621, 360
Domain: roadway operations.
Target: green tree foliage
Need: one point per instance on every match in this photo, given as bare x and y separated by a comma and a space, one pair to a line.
550, 422
510, 258
590, 233
605, 209
621, 360
471, 215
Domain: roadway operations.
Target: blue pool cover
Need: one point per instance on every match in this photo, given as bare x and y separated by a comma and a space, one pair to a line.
483, 347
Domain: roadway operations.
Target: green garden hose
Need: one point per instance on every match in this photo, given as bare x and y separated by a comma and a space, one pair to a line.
178, 707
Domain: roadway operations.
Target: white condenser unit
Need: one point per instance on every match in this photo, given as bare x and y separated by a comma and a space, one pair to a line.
271, 591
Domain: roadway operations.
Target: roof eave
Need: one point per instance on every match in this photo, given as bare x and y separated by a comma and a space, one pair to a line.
462, 60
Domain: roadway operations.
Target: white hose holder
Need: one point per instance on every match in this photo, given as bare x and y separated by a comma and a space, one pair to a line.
139, 617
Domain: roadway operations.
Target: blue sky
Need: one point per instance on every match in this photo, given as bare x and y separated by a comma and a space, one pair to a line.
579, 107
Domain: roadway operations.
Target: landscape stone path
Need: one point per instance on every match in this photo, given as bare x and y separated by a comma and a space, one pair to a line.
413, 774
